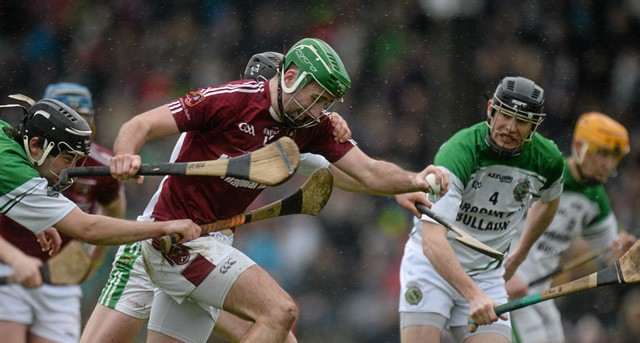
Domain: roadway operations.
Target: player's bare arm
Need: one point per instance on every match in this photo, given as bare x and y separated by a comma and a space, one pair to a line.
539, 217
436, 247
101, 230
26, 269
384, 178
153, 124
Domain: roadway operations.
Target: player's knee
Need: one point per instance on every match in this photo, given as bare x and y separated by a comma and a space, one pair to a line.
286, 313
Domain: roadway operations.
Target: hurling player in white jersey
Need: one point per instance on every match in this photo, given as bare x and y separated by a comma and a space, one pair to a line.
599, 144
497, 168
52, 137
42, 312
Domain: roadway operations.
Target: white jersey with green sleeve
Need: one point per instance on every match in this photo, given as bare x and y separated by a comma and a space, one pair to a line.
489, 194
583, 211
24, 195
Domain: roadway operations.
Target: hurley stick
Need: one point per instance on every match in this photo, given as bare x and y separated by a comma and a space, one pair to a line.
463, 237
270, 165
578, 261
309, 199
625, 270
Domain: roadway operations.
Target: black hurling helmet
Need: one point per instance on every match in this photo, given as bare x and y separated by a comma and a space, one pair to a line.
263, 66
522, 99
62, 129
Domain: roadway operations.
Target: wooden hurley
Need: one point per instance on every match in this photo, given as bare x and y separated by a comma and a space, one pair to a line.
309, 199
463, 237
625, 270
270, 165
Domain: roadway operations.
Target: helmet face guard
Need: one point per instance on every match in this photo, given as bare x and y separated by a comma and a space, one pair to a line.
521, 99
316, 62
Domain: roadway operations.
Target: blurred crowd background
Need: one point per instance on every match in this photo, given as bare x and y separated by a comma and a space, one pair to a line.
421, 70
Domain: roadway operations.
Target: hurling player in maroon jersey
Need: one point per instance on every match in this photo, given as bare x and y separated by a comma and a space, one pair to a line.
227, 121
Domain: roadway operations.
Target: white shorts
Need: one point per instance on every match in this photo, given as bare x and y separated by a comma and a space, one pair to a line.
129, 290
187, 322
51, 312
538, 323
423, 291
203, 269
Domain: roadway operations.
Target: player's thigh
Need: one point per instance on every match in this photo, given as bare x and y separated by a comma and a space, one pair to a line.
33, 338
487, 338
12, 332
109, 325
188, 322
420, 333
255, 293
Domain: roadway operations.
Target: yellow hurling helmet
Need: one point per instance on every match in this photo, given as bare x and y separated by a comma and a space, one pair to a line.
600, 132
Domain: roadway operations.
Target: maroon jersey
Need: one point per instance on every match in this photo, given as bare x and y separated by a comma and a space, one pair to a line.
86, 192
222, 122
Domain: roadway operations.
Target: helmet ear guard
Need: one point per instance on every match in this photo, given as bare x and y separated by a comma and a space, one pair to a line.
595, 132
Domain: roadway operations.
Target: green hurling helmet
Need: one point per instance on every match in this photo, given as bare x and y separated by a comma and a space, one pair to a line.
317, 61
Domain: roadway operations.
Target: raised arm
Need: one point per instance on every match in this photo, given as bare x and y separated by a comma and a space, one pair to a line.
146, 126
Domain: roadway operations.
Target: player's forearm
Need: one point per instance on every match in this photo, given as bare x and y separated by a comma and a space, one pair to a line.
378, 177
539, 217
443, 258
347, 183
9, 253
102, 230
131, 137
